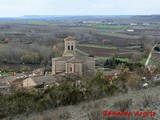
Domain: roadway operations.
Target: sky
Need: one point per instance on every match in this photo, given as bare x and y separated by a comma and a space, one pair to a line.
17, 8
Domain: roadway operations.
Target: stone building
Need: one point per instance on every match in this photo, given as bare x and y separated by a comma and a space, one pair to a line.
38, 81
70, 62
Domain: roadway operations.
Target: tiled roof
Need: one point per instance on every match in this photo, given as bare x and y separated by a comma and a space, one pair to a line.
44, 79
40, 80
85, 58
63, 58
9, 78
74, 58
70, 38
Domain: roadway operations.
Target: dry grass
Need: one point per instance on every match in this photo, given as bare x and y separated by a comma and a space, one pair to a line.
122, 105
93, 110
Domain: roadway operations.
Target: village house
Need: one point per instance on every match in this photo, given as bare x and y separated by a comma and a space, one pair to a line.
70, 62
39, 71
130, 30
9, 83
39, 81
7, 80
48, 80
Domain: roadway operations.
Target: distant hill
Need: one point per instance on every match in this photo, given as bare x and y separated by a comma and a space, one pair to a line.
152, 18
72, 16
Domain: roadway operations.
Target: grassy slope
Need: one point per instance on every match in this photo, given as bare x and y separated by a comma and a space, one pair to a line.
82, 111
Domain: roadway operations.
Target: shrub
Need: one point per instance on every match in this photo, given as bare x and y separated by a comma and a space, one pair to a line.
134, 82
149, 101
25, 68
113, 63
122, 105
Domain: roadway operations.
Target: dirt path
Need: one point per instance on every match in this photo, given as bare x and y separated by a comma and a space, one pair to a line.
150, 55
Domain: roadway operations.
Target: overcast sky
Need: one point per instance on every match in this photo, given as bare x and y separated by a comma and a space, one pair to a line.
15, 8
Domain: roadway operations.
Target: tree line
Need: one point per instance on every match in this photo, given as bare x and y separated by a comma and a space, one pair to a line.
26, 53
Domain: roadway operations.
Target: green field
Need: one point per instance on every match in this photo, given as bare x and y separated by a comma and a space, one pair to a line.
97, 46
110, 27
3, 74
36, 22
123, 59
102, 69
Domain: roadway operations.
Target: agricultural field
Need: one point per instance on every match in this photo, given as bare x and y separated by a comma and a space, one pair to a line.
96, 38
120, 35
29, 44
101, 52
111, 27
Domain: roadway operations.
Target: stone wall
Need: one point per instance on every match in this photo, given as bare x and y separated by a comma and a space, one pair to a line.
58, 67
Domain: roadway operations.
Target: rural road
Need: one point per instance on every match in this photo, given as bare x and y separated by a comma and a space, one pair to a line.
150, 55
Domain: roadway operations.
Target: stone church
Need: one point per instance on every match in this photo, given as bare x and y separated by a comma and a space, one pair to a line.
70, 62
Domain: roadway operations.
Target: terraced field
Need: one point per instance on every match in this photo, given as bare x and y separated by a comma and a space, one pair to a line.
102, 52
107, 51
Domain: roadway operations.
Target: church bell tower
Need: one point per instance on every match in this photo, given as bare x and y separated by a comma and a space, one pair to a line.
70, 46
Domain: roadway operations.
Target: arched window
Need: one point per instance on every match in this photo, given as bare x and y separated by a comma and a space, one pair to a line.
68, 47
70, 69
72, 47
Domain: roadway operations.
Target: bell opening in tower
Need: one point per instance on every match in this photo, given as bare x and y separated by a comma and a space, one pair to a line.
68, 47
72, 47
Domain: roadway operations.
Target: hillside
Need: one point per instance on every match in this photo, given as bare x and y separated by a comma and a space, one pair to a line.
133, 101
